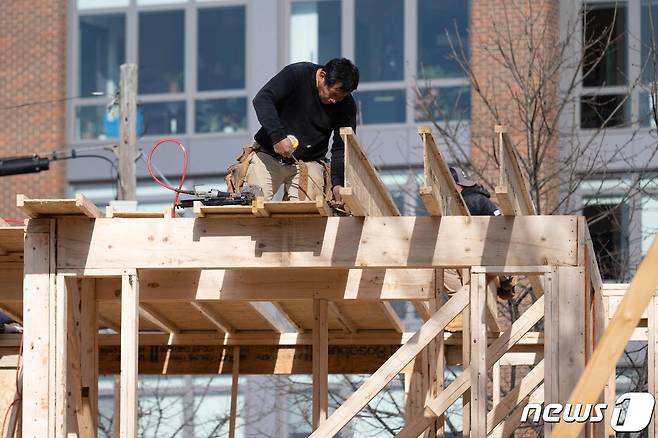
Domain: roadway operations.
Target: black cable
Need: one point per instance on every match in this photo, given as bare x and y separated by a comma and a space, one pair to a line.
113, 166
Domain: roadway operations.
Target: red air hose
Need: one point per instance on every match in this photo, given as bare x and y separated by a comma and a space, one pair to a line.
178, 190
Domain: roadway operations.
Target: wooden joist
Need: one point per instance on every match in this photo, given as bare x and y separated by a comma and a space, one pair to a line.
364, 193
336, 242
110, 212
512, 192
271, 319
212, 316
262, 208
392, 316
439, 191
348, 327
36, 208
287, 284
147, 311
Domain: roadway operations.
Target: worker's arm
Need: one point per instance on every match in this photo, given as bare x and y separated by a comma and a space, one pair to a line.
338, 147
269, 97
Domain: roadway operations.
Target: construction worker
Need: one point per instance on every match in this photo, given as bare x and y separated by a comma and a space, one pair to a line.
478, 202
304, 102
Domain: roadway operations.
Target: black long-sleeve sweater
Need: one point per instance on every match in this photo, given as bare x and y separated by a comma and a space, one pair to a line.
289, 104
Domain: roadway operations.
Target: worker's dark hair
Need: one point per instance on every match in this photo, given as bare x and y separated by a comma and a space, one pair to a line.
341, 70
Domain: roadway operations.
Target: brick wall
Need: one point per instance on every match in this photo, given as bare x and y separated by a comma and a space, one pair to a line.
501, 32
32, 68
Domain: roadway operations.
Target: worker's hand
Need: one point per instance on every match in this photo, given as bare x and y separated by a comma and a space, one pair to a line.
337, 199
284, 148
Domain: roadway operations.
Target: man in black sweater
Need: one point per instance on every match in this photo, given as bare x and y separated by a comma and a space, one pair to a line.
309, 102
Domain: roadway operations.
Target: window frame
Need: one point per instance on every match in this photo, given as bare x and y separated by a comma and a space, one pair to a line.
191, 9
410, 57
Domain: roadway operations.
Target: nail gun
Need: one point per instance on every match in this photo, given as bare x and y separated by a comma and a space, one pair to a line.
214, 197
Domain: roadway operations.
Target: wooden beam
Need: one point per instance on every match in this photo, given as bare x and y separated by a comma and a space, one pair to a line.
515, 396
79, 206
235, 377
336, 242
439, 192
344, 322
393, 365
89, 353
512, 192
129, 356
320, 363
652, 359
478, 350
461, 385
369, 196
286, 315
509, 426
392, 316
61, 360
282, 284
148, 312
277, 325
422, 309
37, 322
211, 316
614, 338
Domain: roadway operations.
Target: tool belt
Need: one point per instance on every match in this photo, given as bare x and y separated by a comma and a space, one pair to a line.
236, 174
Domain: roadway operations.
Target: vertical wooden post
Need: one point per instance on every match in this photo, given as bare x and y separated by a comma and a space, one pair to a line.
89, 352
478, 324
128, 132
652, 359
438, 348
565, 340
129, 359
466, 361
320, 363
36, 338
551, 293
116, 421
235, 373
610, 392
61, 360
495, 377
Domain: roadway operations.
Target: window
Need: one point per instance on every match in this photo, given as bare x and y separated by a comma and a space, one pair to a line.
179, 93
603, 110
379, 39
221, 48
608, 225
440, 25
315, 30
102, 50
604, 33
649, 220
221, 115
387, 106
447, 103
161, 54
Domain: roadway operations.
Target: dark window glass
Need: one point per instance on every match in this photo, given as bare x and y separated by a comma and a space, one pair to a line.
605, 41
221, 53
599, 111
221, 115
439, 24
446, 103
102, 51
161, 53
380, 39
608, 225
381, 106
315, 29
649, 16
164, 118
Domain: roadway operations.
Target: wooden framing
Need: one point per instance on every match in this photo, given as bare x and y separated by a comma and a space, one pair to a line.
439, 192
189, 283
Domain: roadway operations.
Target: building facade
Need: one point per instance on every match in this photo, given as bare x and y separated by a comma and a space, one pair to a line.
202, 61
